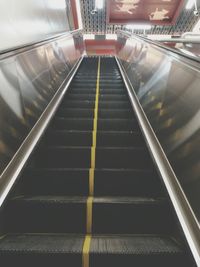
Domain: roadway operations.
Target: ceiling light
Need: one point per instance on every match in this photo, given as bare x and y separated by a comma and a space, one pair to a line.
190, 4
99, 4
138, 27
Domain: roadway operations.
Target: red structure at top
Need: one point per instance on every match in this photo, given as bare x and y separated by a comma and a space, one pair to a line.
159, 12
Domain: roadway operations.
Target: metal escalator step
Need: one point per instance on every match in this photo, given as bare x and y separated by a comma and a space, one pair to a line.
64, 157
119, 139
113, 97
116, 113
46, 214
112, 91
78, 104
83, 124
60, 182
89, 113
112, 87
67, 214
80, 97
41, 250
138, 250
69, 138
107, 182
127, 182
94, 80
84, 138
86, 84
122, 158
117, 125
114, 104
101, 91
75, 113
105, 250
82, 91
129, 215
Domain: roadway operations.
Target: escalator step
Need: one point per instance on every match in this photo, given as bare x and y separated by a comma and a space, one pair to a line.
127, 182
67, 214
80, 97
89, 113
64, 157
113, 97
104, 139
141, 251
114, 104
86, 124
129, 215
107, 250
119, 139
117, 125
41, 250
75, 113
107, 182
82, 91
123, 158
79, 157
115, 113
112, 91
69, 138
83, 124
78, 104
66, 182
46, 214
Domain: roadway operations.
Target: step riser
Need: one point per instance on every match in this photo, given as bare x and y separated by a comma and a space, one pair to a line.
102, 114
70, 217
91, 104
105, 158
104, 139
91, 97
106, 183
102, 125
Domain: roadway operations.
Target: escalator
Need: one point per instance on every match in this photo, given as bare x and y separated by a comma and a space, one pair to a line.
90, 195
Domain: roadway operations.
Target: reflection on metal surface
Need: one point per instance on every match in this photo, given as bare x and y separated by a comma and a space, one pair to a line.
188, 221
28, 21
168, 90
28, 81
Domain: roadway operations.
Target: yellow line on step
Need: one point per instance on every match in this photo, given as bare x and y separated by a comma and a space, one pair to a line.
86, 251
87, 241
89, 215
94, 134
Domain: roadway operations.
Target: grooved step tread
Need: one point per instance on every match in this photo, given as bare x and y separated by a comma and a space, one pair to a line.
110, 214
105, 250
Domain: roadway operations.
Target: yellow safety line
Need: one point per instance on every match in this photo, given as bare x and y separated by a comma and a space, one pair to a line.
89, 215
91, 182
86, 250
87, 241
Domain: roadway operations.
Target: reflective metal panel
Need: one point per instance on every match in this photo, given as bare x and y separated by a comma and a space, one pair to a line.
28, 81
168, 90
27, 21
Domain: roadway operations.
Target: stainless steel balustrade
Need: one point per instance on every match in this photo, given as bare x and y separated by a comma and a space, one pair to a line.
33, 80
164, 92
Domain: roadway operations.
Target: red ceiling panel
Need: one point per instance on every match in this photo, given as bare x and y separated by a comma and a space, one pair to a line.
161, 12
